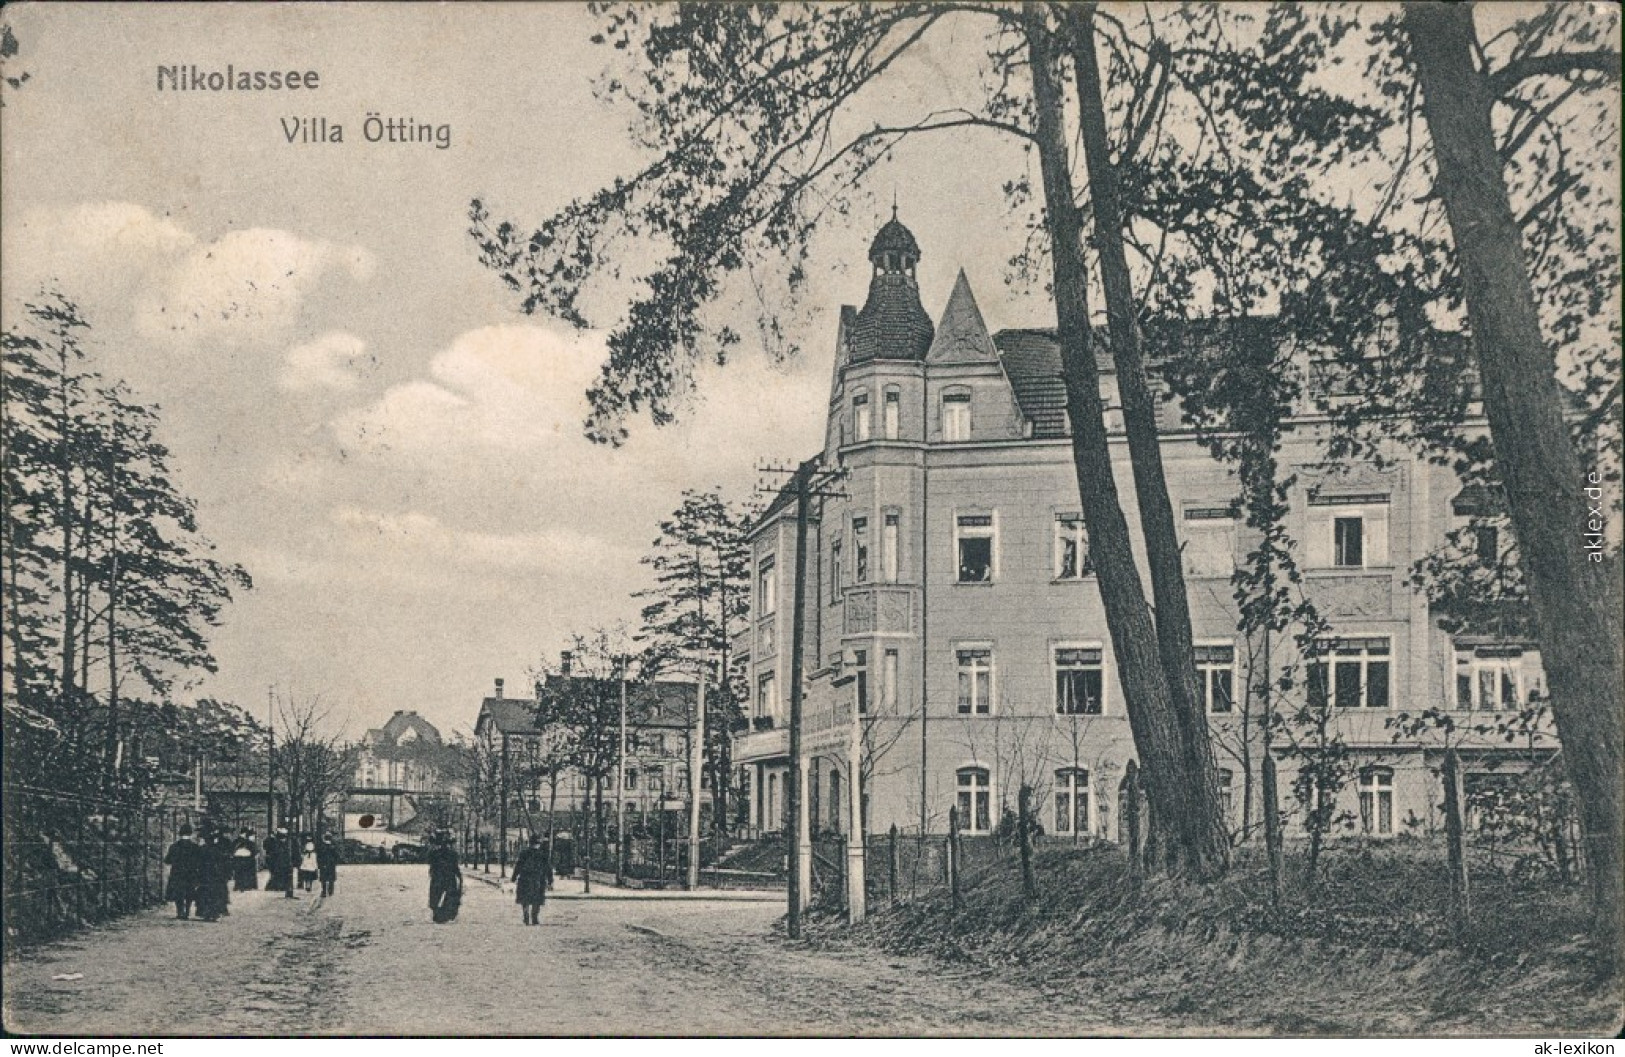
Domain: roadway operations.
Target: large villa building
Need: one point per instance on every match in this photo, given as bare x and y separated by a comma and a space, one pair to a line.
950, 596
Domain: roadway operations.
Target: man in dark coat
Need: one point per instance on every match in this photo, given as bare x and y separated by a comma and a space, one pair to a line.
327, 863
532, 873
445, 880
245, 867
184, 861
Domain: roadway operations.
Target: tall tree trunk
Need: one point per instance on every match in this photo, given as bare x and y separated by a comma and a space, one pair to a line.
1574, 590
1205, 844
1152, 719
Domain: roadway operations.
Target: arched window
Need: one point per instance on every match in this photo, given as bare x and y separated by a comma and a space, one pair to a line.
975, 800
1377, 801
1072, 802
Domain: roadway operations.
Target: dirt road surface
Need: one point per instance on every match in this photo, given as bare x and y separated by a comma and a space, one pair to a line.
369, 961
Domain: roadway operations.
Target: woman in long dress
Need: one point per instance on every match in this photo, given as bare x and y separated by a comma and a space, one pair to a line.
245, 865
307, 865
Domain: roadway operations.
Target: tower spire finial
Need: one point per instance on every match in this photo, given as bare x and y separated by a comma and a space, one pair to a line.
894, 202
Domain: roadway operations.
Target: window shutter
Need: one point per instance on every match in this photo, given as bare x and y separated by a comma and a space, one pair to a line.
1376, 531
1320, 540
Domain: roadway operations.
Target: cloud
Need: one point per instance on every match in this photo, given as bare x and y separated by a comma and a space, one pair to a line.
415, 539
247, 285
335, 360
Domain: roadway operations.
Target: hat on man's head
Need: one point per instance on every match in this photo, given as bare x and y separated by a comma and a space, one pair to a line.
186, 830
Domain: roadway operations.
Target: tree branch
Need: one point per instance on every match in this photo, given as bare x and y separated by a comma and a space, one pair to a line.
1555, 64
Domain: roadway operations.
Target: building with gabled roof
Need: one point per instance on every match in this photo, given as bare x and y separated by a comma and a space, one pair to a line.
951, 599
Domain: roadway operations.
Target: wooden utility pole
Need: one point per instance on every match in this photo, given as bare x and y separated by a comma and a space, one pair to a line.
620, 785
502, 812
798, 621
804, 480
696, 762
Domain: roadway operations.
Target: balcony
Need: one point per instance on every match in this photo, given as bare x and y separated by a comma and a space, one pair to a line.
765, 741
878, 608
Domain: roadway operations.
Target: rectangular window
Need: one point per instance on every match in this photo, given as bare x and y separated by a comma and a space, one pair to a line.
767, 593
1079, 681
1348, 531
1072, 801
973, 543
835, 570
888, 681
1350, 673
1348, 542
975, 801
631, 777
889, 541
1210, 541
893, 414
1491, 678
860, 550
767, 696
1377, 802
956, 416
860, 417
975, 680
1072, 558
1216, 676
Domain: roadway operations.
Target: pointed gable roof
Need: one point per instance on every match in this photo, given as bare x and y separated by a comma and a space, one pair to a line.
962, 335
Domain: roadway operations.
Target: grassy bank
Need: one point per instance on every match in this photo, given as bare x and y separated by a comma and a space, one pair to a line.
1365, 950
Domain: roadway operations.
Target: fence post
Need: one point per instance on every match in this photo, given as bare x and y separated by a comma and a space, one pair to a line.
1272, 826
1460, 897
891, 872
953, 855
1024, 833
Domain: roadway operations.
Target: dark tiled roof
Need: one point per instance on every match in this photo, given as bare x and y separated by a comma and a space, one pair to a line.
892, 325
1032, 362
511, 715
661, 703
894, 237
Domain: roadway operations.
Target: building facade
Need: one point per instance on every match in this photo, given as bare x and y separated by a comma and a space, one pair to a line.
954, 628
405, 754
659, 726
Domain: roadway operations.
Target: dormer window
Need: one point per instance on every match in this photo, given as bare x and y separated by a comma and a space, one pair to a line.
860, 418
956, 416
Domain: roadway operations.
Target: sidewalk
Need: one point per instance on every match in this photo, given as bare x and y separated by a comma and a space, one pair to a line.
572, 888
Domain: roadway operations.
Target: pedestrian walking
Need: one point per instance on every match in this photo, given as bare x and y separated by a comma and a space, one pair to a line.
532, 874
214, 875
327, 863
245, 866
445, 880
184, 861
307, 865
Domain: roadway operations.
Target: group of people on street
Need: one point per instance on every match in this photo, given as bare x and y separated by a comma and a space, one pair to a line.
200, 873
203, 869
532, 877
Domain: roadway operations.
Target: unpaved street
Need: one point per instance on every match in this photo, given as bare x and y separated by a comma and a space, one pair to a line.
369, 961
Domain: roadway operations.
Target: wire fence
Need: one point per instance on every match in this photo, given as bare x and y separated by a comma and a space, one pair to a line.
74, 859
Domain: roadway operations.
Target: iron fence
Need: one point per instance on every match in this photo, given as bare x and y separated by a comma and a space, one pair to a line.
73, 859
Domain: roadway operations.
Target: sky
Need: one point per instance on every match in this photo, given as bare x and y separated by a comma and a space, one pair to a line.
367, 422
